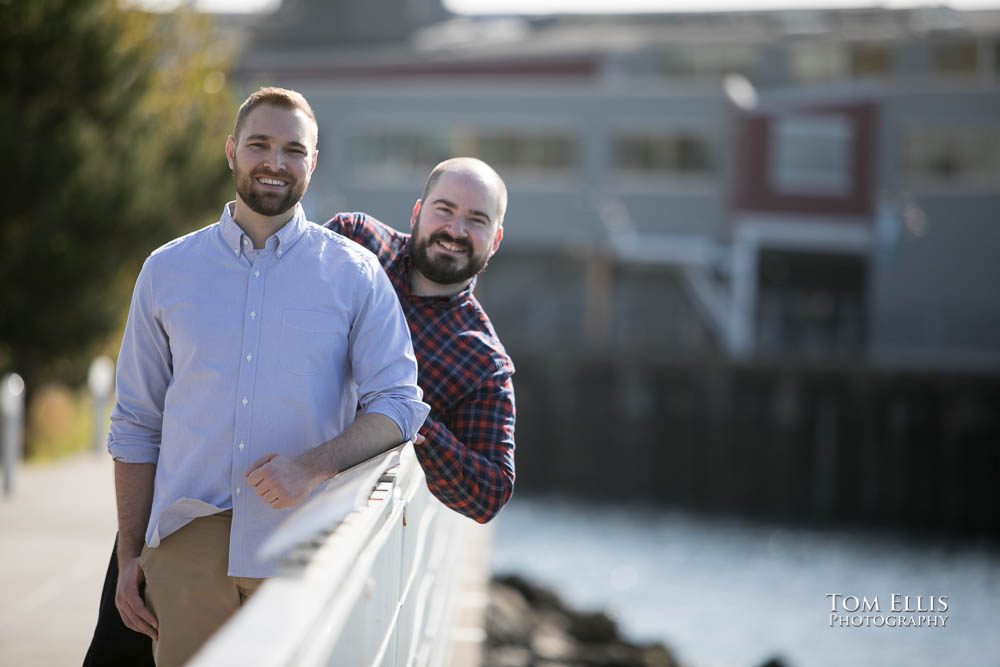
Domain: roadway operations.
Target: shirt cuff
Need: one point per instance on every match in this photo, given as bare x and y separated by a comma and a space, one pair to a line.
407, 414
133, 452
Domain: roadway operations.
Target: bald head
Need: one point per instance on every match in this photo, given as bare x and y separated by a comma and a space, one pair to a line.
475, 169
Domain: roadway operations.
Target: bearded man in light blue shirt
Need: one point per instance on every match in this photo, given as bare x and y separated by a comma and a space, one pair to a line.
248, 348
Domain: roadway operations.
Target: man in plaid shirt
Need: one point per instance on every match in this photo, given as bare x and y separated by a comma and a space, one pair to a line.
467, 451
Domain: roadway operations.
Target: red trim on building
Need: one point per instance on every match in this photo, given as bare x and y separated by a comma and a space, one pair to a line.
527, 69
753, 191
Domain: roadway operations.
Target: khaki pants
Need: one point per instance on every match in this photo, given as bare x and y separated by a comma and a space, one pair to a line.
187, 587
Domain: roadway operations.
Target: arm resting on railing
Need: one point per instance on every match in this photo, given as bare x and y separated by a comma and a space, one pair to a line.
468, 459
284, 481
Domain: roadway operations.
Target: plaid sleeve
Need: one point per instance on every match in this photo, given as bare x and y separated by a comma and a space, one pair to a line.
366, 231
469, 462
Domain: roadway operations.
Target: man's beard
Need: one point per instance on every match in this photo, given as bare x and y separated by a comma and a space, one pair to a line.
446, 269
267, 203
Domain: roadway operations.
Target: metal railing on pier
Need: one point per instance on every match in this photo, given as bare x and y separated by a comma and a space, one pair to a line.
376, 587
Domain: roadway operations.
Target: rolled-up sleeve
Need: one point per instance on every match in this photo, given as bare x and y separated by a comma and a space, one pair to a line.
385, 367
143, 375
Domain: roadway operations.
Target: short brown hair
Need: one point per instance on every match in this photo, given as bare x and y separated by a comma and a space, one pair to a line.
283, 98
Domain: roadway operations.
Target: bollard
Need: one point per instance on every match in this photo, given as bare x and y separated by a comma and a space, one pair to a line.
100, 381
12, 418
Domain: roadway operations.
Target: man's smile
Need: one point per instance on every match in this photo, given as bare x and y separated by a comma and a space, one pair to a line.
269, 182
455, 248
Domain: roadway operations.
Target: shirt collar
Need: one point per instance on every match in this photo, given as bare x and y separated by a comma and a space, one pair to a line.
284, 239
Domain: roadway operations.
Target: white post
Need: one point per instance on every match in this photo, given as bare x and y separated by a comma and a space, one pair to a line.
100, 381
12, 416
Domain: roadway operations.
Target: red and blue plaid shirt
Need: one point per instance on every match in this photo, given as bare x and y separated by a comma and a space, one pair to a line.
468, 457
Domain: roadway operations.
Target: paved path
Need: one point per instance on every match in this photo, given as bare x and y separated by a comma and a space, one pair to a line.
56, 534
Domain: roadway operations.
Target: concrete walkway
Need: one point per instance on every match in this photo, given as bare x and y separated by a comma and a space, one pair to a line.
56, 534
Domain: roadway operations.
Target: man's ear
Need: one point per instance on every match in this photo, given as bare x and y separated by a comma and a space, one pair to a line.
416, 213
497, 239
230, 151
315, 161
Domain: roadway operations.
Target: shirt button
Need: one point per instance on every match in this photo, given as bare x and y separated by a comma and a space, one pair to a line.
242, 445
256, 274
237, 490
279, 253
253, 314
245, 401
249, 358
246, 241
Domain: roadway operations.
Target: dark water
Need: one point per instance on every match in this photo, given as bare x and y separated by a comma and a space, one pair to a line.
724, 593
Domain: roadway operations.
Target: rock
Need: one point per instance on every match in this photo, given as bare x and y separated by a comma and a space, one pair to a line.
551, 642
538, 597
624, 654
530, 626
616, 654
774, 661
658, 655
509, 618
591, 627
507, 656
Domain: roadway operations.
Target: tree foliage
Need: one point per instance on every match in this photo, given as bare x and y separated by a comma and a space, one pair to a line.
112, 122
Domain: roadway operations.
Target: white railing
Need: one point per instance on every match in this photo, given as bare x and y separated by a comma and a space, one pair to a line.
376, 587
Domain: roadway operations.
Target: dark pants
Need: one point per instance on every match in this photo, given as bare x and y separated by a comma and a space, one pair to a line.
113, 644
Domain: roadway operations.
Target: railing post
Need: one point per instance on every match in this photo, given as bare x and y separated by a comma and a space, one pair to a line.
12, 416
100, 381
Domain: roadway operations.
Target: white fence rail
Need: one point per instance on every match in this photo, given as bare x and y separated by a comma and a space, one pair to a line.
375, 589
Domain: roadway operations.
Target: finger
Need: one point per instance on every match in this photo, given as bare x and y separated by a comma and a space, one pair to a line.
419, 439
144, 614
137, 606
284, 502
136, 623
259, 462
259, 475
133, 620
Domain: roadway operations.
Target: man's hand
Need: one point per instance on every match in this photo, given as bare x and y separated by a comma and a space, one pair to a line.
283, 482
133, 610
419, 439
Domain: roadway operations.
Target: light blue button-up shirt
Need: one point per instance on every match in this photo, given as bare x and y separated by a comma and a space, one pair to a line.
230, 353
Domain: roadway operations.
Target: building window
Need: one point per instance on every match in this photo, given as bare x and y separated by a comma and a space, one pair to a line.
707, 61
952, 156
870, 61
817, 62
956, 58
810, 155
401, 154
513, 150
662, 153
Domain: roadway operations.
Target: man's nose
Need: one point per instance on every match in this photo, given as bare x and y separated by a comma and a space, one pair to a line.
458, 226
275, 160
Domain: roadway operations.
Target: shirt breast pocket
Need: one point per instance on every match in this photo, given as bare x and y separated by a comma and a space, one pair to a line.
311, 342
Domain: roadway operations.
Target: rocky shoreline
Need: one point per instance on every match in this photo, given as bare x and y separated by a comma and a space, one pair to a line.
530, 626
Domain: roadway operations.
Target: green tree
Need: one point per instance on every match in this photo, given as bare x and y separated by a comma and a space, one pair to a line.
112, 122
